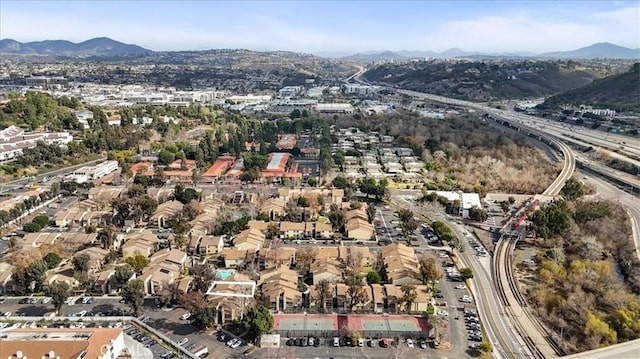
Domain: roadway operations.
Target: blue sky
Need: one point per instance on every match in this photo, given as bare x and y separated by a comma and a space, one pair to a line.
330, 26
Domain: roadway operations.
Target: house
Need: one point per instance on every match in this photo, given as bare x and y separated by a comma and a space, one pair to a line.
233, 257
422, 301
367, 303
279, 287
217, 170
274, 208
165, 212
105, 194
97, 257
292, 229
359, 229
165, 269
268, 258
79, 215
394, 297
401, 264
379, 298
323, 230
326, 269
210, 245
249, 239
142, 242
341, 296
104, 281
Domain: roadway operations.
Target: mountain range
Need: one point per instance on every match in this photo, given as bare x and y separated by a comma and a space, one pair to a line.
99, 46
599, 50
106, 47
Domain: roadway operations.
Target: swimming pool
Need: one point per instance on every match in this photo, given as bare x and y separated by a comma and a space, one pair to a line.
225, 274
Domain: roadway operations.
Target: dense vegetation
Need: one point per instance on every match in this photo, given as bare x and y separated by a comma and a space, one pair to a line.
588, 278
618, 92
484, 80
465, 153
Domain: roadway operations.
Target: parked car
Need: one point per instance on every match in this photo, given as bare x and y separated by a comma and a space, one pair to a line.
384, 343
183, 341
360, 342
46, 300
410, 343
185, 316
336, 341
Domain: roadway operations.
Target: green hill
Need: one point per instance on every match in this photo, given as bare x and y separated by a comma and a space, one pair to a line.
486, 80
618, 92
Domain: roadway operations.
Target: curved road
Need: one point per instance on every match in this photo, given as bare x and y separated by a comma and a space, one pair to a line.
505, 347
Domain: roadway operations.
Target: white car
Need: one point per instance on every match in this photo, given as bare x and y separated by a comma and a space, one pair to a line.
82, 313
185, 316
443, 313
7, 314
46, 300
410, 343
183, 341
461, 286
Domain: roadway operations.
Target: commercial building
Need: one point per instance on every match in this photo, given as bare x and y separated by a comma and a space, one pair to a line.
56, 343
334, 108
92, 173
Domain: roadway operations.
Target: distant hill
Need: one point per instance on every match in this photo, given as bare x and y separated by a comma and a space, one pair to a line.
618, 92
599, 50
100, 46
374, 56
483, 81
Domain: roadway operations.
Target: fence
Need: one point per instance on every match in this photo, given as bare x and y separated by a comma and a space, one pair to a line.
379, 334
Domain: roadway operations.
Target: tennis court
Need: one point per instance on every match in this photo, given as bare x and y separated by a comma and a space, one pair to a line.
305, 322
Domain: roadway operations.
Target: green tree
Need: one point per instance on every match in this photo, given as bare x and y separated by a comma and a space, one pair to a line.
373, 277
204, 317
81, 262
59, 292
133, 294
36, 272
466, 273
32, 227
42, 220
478, 214
551, 220
122, 275
257, 321
137, 262
572, 189
341, 182
312, 181
165, 157
52, 260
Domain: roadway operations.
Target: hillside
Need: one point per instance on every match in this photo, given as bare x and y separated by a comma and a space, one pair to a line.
484, 80
603, 50
100, 46
618, 92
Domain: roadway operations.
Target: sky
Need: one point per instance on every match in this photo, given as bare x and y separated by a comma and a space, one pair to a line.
332, 26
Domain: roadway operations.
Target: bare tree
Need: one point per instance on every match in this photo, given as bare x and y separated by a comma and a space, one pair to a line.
324, 289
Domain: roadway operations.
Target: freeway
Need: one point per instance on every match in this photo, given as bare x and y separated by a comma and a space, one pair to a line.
631, 146
19, 183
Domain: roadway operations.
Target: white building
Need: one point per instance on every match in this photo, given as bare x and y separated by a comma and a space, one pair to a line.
13, 140
92, 173
334, 108
467, 200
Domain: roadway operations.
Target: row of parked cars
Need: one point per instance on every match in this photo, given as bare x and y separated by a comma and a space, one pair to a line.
230, 340
303, 342
473, 325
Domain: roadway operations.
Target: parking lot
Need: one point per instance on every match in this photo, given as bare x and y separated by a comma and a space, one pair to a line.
168, 321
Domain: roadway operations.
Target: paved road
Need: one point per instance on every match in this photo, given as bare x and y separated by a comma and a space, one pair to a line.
15, 184
628, 350
507, 343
